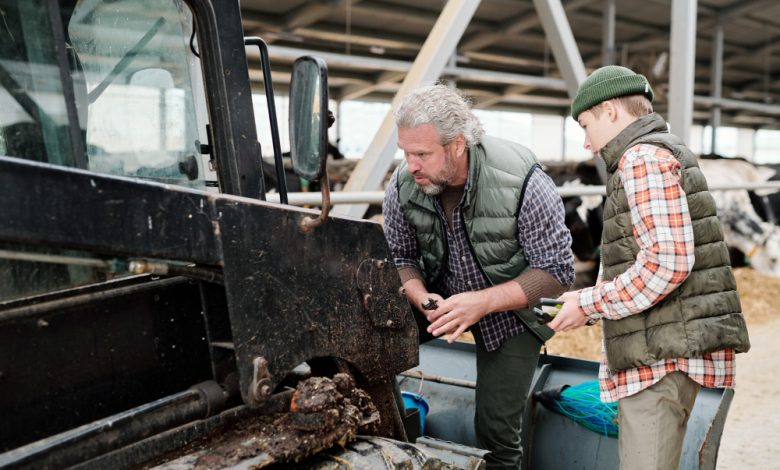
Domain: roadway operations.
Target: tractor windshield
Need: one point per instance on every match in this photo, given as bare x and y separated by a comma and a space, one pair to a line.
111, 86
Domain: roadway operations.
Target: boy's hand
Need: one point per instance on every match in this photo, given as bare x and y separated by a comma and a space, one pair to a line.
570, 316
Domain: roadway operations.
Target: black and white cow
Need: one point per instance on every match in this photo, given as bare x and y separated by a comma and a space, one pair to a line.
743, 229
583, 215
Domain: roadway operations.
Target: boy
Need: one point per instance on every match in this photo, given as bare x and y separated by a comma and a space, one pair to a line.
666, 294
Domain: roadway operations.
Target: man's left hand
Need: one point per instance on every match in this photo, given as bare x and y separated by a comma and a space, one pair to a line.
456, 314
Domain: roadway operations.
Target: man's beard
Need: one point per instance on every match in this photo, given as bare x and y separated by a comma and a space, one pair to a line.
442, 180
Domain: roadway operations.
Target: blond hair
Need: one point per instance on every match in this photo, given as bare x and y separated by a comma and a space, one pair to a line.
635, 105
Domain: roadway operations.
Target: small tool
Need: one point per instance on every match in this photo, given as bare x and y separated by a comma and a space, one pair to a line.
548, 315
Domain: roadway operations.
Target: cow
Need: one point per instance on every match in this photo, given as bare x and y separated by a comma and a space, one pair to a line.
743, 229
583, 215
745, 232
767, 203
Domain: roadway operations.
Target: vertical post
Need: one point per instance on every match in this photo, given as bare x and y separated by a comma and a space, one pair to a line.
716, 80
683, 55
563, 136
370, 171
608, 33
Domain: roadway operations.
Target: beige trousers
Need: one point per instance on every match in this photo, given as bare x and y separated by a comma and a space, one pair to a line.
653, 423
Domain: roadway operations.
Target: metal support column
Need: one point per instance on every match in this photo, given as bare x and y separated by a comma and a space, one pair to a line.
563, 136
608, 33
683, 55
561, 40
370, 172
716, 79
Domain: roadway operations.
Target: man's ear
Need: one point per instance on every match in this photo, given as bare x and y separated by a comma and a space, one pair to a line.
460, 144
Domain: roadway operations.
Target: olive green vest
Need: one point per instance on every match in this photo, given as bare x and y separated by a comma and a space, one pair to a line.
703, 314
497, 174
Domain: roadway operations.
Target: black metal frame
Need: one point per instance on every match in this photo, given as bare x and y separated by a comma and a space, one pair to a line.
313, 289
78, 146
281, 183
235, 144
289, 296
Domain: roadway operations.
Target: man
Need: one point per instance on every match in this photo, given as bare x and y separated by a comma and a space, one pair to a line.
666, 294
477, 232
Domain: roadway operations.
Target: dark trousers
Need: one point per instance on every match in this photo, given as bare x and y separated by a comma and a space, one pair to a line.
503, 381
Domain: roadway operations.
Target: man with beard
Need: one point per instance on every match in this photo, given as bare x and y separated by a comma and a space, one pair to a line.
477, 232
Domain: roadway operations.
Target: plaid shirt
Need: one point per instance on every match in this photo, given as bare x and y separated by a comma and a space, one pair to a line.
540, 231
663, 230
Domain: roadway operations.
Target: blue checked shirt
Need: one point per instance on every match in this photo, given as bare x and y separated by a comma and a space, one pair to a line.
541, 233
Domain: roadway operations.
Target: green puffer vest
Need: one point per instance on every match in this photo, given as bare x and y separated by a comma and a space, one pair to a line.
703, 314
494, 190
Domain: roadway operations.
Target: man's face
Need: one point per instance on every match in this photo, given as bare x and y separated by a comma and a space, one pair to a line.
430, 162
599, 130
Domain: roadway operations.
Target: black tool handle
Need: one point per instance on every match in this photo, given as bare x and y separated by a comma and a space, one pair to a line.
547, 302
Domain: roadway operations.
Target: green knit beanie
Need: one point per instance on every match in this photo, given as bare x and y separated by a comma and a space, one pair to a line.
606, 83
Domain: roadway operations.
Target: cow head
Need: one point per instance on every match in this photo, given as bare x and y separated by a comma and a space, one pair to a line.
765, 258
745, 231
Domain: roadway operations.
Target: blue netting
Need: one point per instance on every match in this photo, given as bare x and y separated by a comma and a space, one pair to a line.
581, 403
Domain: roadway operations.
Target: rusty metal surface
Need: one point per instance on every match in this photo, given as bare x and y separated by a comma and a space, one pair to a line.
322, 413
294, 296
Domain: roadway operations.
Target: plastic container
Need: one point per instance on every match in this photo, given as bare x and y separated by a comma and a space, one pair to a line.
413, 400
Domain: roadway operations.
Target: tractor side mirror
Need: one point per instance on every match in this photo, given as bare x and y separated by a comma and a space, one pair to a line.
309, 117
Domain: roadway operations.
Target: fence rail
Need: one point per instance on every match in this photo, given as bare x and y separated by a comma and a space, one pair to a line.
375, 197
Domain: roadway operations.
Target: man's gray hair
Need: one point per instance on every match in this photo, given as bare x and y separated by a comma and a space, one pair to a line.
443, 107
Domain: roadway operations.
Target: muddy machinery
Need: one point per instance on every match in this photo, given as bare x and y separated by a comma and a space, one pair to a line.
150, 298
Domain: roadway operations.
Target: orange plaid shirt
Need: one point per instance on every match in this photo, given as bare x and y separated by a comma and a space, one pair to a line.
663, 230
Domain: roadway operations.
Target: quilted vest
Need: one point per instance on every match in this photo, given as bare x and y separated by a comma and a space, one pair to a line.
704, 313
494, 190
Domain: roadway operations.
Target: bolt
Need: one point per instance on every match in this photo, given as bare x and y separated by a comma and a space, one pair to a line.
262, 389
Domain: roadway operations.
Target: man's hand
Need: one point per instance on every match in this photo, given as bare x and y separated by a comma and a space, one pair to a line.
429, 300
456, 314
569, 317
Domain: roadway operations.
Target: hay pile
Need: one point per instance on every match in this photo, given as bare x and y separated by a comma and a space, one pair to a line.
759, 293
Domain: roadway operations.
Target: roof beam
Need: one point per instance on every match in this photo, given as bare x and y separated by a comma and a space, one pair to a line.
767, 48
370, 171
360, 37
512, 27
335, 60
558, 32
353, 92
491, 99
312, 12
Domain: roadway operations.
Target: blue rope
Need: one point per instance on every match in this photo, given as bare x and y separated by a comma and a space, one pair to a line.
582, 404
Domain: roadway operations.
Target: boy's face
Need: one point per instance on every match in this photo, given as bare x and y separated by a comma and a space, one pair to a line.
601, 128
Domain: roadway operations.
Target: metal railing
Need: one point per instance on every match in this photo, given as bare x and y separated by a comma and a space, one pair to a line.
375, 197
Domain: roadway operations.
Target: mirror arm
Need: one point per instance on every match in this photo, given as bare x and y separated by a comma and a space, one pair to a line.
310, 223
